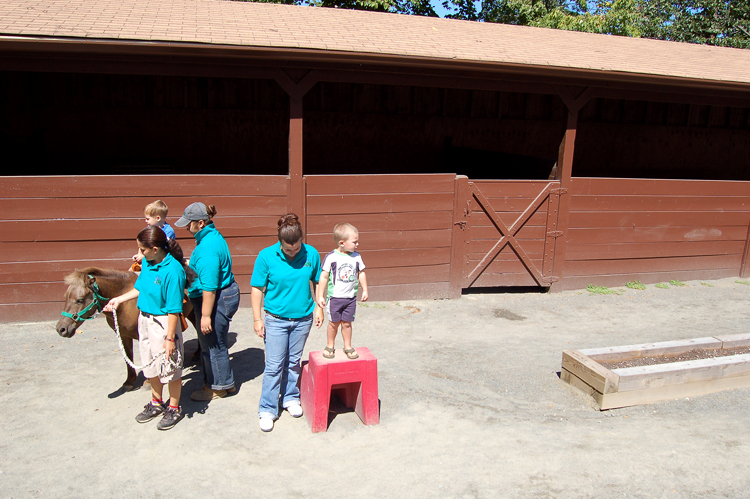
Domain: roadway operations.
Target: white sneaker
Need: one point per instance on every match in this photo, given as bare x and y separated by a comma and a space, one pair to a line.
295, 410
266, 424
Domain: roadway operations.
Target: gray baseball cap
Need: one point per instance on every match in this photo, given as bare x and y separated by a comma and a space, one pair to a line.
193, 213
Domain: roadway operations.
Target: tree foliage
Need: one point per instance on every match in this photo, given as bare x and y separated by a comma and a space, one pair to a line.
713, 22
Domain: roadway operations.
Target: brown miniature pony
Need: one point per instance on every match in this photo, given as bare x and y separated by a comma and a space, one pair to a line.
88, 291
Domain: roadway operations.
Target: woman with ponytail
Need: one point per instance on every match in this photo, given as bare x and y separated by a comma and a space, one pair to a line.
215, 297
159, 289
285, 272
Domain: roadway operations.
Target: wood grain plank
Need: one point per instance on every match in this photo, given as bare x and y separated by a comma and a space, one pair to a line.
655, 234
390, 239
601, 379
624, 251
642, 266
148, 186
658, 219
380, 203
691, 371
672, 392
374, 223
658, 349
120, 229
581, 203
132, 207
663, 187
419, 291
386, 184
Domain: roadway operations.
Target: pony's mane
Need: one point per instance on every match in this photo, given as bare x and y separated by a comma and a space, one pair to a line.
78, 277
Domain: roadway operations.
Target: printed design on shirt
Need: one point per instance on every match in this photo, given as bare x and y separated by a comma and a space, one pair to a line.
346, 273
157, 281
308, 263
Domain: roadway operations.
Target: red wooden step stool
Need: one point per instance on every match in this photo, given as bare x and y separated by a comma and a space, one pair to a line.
354, 381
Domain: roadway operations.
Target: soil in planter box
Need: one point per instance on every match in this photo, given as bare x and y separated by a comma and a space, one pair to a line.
695, 354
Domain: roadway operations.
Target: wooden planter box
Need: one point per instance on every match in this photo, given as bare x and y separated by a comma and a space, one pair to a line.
642, 385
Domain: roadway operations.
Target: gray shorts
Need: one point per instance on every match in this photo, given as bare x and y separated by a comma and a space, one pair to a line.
341, 309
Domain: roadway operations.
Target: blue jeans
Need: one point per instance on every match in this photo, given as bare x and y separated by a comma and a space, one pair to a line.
217, 370
285, 341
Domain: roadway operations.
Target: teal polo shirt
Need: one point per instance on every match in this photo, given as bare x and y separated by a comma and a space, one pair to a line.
211, 261
287, 283
161, 287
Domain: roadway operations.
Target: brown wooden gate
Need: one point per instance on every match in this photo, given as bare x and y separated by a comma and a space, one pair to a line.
511, 229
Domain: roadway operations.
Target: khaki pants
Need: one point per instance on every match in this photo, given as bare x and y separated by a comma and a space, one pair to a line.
152, 331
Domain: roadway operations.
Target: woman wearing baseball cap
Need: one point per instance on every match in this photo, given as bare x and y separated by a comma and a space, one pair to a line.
215, 297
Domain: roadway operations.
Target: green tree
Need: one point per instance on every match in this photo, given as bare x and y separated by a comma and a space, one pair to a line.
714, 22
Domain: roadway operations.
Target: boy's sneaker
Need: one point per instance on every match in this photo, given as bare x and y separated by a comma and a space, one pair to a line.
171, 418
150, 411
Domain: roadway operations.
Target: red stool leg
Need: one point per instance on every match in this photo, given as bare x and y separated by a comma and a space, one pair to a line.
315, 397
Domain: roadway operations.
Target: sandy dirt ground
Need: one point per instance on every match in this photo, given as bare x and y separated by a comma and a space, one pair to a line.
471, 406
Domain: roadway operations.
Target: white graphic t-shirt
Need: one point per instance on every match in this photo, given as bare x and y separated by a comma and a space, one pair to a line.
343, 275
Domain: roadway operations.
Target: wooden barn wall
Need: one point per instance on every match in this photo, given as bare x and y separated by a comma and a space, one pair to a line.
119, 124
53, 225
509, 199
405, 228
654, 230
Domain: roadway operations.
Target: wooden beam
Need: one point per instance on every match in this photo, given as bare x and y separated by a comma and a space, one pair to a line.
296, 200
459, 238
594, 374
745, 266
564, 175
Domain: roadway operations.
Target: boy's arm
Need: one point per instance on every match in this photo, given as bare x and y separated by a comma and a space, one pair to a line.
363, 284
321, 289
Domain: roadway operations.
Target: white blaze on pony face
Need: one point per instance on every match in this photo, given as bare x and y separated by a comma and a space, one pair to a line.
77, 298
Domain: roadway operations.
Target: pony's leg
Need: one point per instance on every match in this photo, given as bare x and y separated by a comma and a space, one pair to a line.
189, 313
127, 343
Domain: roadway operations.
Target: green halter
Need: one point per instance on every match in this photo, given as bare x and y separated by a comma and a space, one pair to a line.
78, 317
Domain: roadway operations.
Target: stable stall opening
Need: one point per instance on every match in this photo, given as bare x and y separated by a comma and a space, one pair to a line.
95, 124
376, 129
643, 139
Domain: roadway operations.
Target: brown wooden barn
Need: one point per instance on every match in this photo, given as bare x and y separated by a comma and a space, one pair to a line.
468, 154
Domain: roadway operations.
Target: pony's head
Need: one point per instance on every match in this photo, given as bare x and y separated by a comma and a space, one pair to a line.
82, 301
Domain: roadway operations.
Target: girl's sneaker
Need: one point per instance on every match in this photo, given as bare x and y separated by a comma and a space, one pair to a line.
150, 411
171, 417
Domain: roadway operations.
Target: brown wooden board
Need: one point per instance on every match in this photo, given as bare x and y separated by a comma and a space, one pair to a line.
651, 265
585, 235
383, 184
658, 187
623, 251
140, 186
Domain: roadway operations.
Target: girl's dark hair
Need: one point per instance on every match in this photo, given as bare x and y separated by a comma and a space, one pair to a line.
154, 237
290, 230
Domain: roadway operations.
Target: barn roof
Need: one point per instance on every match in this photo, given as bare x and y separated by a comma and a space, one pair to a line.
253, 26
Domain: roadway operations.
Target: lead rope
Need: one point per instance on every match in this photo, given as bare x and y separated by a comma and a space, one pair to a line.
167, 365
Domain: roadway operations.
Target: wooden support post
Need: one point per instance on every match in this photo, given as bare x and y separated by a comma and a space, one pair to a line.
460, 237
296, 200
564, 175
296, 89
745, 266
